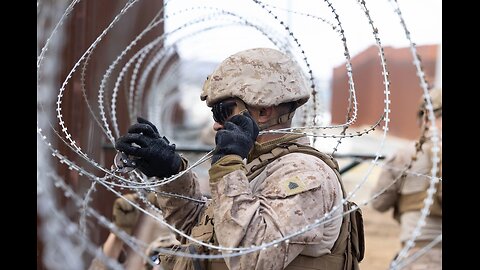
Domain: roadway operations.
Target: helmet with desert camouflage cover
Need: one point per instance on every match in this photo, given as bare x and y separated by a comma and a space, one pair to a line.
436, 100
260, 77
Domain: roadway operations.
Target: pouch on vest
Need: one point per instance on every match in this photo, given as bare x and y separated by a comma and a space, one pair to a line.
357, 233
174, 262
186, 263
202, 231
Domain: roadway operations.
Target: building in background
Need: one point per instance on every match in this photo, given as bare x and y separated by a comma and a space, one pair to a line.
405, 88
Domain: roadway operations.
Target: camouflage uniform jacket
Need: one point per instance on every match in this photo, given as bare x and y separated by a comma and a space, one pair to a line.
291, 192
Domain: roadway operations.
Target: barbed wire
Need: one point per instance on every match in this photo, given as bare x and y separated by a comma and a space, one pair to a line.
154, 56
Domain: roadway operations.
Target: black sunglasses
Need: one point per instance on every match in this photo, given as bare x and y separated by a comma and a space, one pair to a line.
223, 110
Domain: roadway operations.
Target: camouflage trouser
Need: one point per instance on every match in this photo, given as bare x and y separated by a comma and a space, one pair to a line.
431, 260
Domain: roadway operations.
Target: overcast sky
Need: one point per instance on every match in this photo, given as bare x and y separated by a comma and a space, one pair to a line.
321, 44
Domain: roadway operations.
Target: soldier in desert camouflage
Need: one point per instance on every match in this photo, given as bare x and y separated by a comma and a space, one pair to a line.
406, 196
262, 187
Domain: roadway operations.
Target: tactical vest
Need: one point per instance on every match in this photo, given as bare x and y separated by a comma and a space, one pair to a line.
347, 251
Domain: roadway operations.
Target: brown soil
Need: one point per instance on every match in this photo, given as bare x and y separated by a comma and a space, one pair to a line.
381, 239
381, 230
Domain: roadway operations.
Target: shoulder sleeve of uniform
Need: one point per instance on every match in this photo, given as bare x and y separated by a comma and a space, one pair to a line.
295, 173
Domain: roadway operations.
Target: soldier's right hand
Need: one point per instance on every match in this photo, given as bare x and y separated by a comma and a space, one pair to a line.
154, 156
125, 215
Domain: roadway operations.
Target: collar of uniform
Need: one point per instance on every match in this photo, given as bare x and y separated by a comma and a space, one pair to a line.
265, 147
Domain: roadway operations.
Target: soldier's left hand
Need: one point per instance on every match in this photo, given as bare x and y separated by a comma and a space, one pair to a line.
237, 137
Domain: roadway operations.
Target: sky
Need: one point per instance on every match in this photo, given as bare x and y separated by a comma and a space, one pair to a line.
323, 46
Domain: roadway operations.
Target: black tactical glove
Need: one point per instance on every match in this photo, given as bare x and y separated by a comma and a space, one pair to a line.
237, 137
145, 127
154, 156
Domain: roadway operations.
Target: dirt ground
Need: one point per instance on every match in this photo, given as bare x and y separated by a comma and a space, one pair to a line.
381, 239
381, 230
